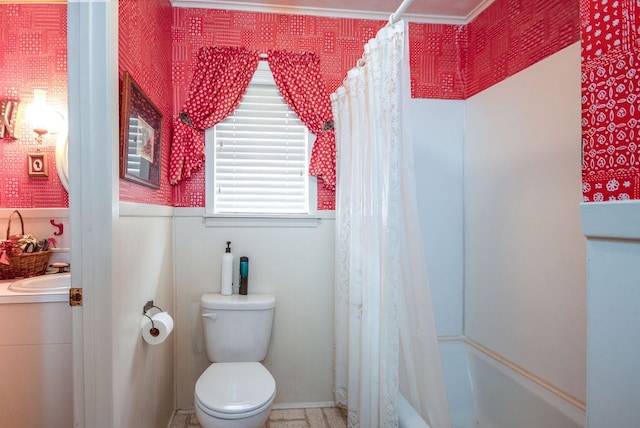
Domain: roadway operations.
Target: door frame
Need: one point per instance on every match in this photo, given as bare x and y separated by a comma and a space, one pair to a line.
92, 63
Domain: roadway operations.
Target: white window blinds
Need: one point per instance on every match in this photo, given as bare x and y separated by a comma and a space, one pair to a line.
261, 156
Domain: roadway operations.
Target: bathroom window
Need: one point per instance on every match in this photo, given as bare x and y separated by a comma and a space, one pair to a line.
258, 157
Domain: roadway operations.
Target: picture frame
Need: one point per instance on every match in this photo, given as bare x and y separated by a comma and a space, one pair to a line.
140, 135
37, 165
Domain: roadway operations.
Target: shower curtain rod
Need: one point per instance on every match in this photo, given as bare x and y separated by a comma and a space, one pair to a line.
395, 16
398, 13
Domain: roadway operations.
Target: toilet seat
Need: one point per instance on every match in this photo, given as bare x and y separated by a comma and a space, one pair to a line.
235, 390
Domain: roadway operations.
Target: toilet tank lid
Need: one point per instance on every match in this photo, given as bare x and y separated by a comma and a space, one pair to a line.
238, 302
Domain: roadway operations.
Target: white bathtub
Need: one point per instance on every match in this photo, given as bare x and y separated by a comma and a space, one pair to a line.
485, 393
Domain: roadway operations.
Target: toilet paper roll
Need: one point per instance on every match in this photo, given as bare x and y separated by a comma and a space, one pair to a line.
163, 323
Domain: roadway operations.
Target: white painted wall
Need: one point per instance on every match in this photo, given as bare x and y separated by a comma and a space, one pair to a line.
144, 375
525, 263
37, 222
293, 263
613, 250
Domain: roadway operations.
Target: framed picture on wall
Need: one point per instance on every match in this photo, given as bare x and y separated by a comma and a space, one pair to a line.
140, 142
37, 165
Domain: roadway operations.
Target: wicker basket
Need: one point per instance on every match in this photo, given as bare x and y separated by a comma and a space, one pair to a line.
25, 264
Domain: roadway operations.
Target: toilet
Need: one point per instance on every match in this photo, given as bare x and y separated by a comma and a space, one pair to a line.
236, 390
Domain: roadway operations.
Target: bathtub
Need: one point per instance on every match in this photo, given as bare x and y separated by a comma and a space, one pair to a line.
485, 393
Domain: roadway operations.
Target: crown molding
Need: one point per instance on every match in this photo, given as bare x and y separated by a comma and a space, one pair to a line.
478, 10
304, 10
327, 12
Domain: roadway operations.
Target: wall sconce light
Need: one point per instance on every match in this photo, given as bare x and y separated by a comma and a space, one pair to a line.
43, 120
39, 114
40, 133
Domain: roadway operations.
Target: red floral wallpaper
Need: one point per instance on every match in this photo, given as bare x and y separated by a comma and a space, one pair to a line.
447, 61
511, 35
33, 55
610, 100
338, 43
144, 51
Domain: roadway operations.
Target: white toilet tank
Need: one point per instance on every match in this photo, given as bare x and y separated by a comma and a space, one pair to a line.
237, 328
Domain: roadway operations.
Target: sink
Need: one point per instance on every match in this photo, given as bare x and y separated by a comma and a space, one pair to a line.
43, 284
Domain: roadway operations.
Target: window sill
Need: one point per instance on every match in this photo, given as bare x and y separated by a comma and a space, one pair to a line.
235, 220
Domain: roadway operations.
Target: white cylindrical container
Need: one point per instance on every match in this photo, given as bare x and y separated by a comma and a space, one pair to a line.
227, 272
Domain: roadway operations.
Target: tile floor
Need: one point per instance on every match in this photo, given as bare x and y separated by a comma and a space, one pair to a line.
325, 417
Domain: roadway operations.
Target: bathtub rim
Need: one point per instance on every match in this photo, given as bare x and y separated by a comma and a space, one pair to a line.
576, 402
569, 405
576, 408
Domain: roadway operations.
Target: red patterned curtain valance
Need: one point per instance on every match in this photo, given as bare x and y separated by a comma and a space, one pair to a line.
221, 78
300, 82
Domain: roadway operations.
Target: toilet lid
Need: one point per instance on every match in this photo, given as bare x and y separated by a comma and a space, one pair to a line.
235, 387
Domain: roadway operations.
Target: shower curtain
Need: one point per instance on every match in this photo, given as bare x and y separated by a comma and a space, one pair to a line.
386, 341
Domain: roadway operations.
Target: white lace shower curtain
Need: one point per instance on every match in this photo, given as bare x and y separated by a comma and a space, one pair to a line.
385, 332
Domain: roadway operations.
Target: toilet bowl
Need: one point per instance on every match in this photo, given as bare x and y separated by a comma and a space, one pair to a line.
236, 390
234, 395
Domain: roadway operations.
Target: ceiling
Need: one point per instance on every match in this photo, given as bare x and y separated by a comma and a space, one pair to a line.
434, 11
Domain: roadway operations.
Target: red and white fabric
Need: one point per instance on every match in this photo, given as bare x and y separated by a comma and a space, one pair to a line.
300, 82
220, 80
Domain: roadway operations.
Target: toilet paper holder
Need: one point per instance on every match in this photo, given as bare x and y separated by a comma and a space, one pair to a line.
147, 307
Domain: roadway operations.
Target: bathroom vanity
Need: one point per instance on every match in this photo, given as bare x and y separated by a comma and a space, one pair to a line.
36, 355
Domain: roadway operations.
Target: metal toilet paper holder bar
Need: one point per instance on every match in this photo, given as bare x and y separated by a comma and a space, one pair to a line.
147, 307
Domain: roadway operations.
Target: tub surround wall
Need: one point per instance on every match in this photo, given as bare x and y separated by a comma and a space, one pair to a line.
524, 252
438, 136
